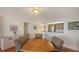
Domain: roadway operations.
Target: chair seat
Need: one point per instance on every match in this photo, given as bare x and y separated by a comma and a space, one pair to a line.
38, 36
20, 42
57, 42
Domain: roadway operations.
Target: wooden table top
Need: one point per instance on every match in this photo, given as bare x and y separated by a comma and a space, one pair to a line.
38, 45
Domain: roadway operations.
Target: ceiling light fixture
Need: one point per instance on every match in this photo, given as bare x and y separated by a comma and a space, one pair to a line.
36, 10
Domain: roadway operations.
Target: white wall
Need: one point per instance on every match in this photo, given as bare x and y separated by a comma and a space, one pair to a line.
10, 20
7, 21
70, 37
1, 26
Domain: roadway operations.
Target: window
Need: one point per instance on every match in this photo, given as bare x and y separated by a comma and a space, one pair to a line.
56, 27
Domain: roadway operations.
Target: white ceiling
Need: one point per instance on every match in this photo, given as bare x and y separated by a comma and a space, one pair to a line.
46, 14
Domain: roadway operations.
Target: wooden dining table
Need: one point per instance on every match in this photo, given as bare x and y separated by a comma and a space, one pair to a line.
38, 45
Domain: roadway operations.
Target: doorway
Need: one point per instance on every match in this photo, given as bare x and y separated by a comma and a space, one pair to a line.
25, 29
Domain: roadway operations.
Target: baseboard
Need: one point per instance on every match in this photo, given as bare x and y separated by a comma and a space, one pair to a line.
71, 49
8, 48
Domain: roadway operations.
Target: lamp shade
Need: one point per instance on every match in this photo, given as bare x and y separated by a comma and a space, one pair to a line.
36, 10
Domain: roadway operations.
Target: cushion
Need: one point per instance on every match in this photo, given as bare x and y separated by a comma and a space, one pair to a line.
20, 42
57, 42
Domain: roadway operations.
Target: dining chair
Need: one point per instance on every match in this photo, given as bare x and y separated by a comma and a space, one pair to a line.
19, 43
38, 36
57, 42
47, 36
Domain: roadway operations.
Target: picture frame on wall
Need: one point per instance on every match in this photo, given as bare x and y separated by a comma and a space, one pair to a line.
13, 28
73, 25
34, 27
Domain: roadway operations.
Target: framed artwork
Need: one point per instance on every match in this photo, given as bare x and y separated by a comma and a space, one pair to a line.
73, 25
34, 27
13, 28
